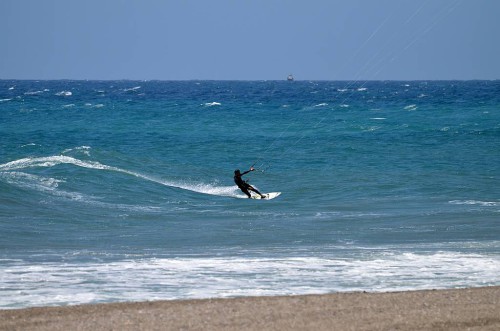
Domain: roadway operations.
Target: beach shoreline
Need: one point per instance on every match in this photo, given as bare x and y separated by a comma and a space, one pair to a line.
450, 309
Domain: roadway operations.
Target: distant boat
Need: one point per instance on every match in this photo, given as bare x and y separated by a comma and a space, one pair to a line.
290, 78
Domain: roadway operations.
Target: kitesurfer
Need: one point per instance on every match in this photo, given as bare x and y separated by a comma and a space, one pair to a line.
243, 185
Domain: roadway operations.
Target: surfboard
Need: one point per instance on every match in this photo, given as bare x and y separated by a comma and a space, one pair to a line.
268, 196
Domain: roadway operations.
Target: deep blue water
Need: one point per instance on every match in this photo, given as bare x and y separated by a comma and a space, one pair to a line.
123, 190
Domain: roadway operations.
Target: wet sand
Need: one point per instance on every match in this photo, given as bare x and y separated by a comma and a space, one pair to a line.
462, 309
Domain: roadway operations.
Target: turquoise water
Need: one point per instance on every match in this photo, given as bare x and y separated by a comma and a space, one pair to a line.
123, 190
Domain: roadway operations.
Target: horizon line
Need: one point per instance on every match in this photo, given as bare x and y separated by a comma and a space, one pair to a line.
247, 80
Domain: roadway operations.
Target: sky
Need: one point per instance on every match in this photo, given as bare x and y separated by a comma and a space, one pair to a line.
250, 39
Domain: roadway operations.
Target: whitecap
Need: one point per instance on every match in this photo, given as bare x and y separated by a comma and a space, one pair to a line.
411, 107
362, 89
83, 149
64, 93
4, 100
131, 89
30, 144
211, 104
321, 104
475, 202
33, 93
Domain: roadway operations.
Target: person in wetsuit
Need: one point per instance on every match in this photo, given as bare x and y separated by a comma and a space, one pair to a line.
243, 185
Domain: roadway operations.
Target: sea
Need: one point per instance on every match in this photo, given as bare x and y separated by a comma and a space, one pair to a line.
118, 191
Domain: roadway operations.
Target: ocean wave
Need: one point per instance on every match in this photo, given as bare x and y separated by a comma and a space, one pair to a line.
476, 202
33, 92
411, 107
29, 180
30, 144
83, 149
132, 89
51, 161
211, 104
220, 277
38, 183
64, 93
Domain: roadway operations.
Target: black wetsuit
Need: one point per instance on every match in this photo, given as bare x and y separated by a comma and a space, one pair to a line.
244, 186
241, 183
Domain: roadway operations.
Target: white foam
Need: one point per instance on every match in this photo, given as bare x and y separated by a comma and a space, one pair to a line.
51, 161
64, 93
30, 144
33, 93
29, 180
44, 184
475, 202
211, 104
83, 149
131, 89
411, 107
207, 277
5, 100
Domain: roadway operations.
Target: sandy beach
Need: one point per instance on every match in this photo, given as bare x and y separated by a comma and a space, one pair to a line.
461, 309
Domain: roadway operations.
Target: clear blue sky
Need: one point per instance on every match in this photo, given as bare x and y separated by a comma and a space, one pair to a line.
250, 39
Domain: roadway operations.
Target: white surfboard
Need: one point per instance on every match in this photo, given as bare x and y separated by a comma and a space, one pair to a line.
268, 196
